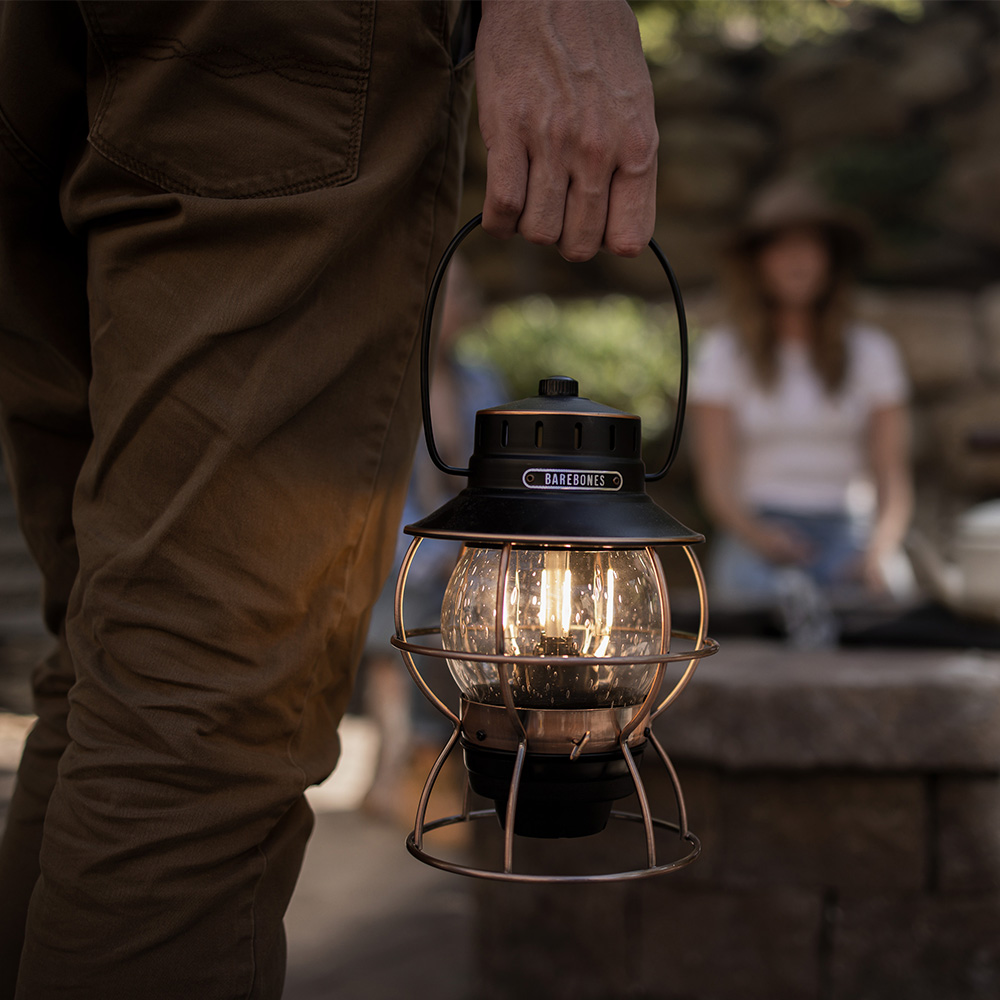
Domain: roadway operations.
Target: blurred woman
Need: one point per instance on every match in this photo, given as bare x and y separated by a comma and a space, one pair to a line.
800, 417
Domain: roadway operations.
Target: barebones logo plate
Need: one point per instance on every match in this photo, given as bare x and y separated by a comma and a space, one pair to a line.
572, 479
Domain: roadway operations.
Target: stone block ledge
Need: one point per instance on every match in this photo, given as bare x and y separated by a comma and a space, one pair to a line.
763, 705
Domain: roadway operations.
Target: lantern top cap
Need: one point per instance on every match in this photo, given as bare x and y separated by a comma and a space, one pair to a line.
558, 385
559, 394
556, 468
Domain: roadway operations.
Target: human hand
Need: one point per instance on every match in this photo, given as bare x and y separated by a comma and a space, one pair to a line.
870, 570
566, 113
777, 544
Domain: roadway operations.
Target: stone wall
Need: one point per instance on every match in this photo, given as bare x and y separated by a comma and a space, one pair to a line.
950, 342
849, 807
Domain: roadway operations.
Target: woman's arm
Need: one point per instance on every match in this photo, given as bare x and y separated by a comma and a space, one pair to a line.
715, 461
889, 461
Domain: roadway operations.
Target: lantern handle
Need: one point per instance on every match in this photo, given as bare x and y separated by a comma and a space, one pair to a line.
425, 353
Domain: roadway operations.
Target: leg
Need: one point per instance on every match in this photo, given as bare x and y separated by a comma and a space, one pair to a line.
253, 412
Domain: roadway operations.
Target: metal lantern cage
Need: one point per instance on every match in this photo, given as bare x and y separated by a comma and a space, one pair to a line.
554, 721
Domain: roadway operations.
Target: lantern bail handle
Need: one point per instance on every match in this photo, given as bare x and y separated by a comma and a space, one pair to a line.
425, 354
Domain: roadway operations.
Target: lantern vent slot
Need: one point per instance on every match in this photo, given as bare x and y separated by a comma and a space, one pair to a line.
539, 434
578, 435
504, 434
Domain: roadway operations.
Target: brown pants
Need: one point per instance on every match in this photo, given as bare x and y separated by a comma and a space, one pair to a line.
217, 222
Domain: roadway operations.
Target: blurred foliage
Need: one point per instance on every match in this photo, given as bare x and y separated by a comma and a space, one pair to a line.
776, 24
622, 351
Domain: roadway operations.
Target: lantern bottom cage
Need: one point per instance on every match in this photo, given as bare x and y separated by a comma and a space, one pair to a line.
559, 817
555, 773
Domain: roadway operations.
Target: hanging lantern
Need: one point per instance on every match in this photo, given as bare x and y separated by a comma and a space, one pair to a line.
556, 623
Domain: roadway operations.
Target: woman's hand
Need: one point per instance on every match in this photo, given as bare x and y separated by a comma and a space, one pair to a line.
869, 570
888, 453
776, 544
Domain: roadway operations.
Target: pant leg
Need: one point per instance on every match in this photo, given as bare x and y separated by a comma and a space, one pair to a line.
253, 411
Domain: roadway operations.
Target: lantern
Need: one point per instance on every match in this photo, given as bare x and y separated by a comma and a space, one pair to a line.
556, 622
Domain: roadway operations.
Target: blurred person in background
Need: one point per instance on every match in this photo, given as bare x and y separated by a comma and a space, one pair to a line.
458, 390
801, 425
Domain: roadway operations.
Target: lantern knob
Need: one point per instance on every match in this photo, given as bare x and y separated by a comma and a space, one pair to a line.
558, 385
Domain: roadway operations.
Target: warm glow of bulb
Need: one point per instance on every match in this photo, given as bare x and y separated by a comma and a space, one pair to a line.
609, 615
556, 603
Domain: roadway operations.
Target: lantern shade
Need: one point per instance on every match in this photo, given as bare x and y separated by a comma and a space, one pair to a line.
556, 469
478, 515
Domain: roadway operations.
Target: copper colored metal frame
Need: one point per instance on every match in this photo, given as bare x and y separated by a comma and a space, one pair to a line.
524, 729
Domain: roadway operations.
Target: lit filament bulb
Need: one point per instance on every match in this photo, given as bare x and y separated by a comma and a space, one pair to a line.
556, 610
554, 603
603, 628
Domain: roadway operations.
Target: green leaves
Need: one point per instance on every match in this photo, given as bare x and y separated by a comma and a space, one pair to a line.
622, 351
776, 24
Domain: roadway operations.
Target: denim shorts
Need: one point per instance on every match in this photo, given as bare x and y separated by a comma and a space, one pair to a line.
739, 577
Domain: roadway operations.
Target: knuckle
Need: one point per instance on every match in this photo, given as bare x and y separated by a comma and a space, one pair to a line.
594, 150
640, 152
504, 203
556, 131
539, 235
592, 191
506, 206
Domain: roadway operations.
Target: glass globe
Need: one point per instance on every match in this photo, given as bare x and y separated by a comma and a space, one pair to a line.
557, 602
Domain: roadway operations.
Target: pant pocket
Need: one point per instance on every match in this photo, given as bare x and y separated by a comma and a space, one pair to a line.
233, 99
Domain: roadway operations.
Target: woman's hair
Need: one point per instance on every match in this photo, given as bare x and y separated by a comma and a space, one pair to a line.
753, 314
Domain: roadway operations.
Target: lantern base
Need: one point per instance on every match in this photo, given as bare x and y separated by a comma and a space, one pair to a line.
558, 796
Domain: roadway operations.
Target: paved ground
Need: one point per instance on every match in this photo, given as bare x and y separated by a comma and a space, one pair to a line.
368, 922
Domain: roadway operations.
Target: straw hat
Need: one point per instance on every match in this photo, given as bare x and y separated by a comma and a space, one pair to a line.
793, 202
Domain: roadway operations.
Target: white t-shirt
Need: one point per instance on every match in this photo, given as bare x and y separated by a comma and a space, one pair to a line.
800, 448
